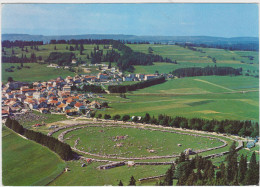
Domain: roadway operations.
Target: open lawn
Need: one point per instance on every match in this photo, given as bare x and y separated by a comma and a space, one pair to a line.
25, 163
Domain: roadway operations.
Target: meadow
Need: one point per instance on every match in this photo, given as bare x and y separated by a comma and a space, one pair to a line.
36, 72
35, 165
188, 58
89, 175
209, 97
102, 140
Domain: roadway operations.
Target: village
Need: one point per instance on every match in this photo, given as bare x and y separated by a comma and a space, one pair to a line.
57, 97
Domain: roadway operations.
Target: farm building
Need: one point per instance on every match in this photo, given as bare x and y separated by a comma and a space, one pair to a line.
111, 165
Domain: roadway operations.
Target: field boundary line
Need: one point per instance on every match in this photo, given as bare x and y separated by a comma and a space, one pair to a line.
213, 84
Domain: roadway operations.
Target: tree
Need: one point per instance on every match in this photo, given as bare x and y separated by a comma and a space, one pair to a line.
132, 181
125, 118
109, 66
135, 119
192, 179
150, 50
10, 79
120, 183
107, 116
252, 175
92, 114
116, 117
231, 159
99, 116
168, 181
242, 168
146, 118
71, 48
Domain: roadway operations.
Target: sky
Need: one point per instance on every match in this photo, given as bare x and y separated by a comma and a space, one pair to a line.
222, 20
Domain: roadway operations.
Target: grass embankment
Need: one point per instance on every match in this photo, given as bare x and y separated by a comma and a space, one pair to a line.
25, 163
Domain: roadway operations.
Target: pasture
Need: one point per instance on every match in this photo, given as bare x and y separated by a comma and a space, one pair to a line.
89, 175
35, 165
248, 60
209, 97
36, 72
136, 142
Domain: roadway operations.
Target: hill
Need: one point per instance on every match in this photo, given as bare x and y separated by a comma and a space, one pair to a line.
193, 39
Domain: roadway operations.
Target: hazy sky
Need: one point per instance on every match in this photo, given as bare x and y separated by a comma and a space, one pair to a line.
225, 20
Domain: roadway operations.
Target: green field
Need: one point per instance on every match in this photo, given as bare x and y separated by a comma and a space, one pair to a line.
97, 140
37, 72
209, 97
90, 176
189, 58
101, 140
25, 163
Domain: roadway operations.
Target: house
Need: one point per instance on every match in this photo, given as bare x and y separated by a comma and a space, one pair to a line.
53, 103
44, 110
127, 79
61, 107
140, 76
149, 76
71, 112
74, 61
25, 90
102, 76
66, 89
52, 66
5, 114
95, 104
78, 105
36, 95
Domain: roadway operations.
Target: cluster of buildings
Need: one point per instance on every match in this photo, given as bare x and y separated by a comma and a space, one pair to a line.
54, 96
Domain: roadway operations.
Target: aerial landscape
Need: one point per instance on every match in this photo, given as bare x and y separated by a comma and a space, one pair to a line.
130, 94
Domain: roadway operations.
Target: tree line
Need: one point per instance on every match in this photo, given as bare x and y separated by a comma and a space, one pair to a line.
20, 43
235, 127
252, 46
206, 71
200, 171
94, 41
88, 88
62, 149
22, 59
136, 86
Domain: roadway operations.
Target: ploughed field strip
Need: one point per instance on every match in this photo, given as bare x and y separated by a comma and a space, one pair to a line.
103, 141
